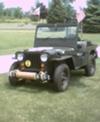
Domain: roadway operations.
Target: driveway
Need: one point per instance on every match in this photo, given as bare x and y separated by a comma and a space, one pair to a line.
16, 26
6, 61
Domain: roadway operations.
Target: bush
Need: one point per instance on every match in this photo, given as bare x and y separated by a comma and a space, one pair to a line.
90, 28
34, 18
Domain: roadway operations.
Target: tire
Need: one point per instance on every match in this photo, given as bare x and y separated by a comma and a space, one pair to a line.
90, 68
61, 77
12, 79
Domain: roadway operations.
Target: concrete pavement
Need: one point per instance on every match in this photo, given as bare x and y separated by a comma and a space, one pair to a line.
5, 63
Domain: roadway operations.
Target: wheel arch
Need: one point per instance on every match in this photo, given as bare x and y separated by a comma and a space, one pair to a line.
93, 53
68, 60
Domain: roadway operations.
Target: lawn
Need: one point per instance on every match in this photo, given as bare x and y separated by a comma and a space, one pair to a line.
95, 38
40, 103
13, 40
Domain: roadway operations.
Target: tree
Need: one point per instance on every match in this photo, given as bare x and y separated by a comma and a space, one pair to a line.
56, 12
94, 2
9, 12
1, 9
13, 12
69, 9
18, 13
43, 11
92, 21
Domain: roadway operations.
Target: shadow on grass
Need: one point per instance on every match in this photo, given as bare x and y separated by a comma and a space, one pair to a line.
76, 79
36, 86
32, 87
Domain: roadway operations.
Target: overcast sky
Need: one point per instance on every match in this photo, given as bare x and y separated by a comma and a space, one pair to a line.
27, 4
24, 4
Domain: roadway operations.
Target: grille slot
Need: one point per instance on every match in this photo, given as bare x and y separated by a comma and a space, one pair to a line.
35, 60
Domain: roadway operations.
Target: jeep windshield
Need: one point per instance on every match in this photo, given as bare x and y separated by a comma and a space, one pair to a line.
56, 32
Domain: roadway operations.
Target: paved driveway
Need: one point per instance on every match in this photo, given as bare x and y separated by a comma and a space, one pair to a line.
98, 51
6, 61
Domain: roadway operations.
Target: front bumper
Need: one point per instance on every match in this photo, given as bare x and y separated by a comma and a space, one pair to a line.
43, 76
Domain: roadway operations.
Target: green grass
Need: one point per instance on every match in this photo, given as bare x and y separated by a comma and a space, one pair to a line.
14, 40
95, 38
14, 20
40, 103
7, 20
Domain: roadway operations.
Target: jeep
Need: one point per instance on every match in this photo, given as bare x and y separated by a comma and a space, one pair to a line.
57, 50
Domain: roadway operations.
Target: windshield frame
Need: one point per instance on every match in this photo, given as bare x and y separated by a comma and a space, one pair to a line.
55, 26
56, 32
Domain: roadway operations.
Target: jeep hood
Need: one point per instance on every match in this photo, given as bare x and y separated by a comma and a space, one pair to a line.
51, 50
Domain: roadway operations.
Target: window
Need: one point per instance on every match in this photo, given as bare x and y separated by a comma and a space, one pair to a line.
56, 32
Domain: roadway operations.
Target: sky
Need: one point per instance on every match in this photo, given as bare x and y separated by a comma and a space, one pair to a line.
24, 4
27, 4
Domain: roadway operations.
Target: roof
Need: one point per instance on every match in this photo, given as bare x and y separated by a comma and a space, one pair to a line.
58, 24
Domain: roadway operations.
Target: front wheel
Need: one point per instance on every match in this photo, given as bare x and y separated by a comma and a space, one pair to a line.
12, 79
90, 68
61, 77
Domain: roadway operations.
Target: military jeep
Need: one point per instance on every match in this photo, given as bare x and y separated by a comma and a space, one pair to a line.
57, 50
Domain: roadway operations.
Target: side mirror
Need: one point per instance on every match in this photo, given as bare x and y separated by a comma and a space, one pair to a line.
81, 45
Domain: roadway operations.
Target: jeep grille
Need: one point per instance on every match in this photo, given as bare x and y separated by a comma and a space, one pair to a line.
35, 60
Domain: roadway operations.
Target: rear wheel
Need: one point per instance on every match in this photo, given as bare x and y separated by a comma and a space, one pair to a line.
12, 79
90, 68
61, 77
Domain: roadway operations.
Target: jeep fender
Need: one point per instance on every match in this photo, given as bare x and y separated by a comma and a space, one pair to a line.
66, 59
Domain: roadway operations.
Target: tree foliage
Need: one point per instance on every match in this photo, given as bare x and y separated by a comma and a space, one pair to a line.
94, 2
56, 12
1, 9
10, 12
18, 13
92, 21
69, 9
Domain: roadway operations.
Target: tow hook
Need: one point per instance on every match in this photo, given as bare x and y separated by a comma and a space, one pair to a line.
44, 76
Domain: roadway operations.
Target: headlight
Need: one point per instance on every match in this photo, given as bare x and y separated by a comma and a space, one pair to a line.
44, 57
20, 56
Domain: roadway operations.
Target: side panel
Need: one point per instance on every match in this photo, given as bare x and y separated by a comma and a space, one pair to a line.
80, 59
64, 59
82, 56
